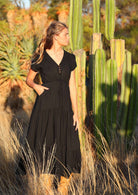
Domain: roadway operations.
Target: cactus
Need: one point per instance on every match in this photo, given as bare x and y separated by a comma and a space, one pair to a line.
81, 90
98, 94
118, 51
80, 83
75, 24
110, 19
90, 87
125, 93
76, 40
96, 16
111, 97
105, 93
118, 54
96, 42
108, 106
133, 103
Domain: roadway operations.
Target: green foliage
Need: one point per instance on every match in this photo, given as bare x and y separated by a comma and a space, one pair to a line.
16, 47
54, 3
52, 11
3, 5
10, 59
4, 26
37, 7
127, 28
26, 48
123, 3
87, 31
130, 35
39, 1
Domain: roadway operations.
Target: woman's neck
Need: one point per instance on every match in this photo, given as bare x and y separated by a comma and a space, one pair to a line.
56, 48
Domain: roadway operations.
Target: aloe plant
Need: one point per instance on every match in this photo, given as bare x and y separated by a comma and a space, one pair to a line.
26, 48
10, 59
37, 7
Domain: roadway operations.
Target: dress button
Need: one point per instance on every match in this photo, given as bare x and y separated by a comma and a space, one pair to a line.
59, 69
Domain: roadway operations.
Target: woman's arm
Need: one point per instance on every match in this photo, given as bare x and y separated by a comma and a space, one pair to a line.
73, 95
30, 82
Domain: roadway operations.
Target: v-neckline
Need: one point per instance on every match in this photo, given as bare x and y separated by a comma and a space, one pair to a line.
54, 60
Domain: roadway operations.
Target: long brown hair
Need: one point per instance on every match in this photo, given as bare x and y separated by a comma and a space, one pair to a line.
47, 41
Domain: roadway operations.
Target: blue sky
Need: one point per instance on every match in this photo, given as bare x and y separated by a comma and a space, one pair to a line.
26, 3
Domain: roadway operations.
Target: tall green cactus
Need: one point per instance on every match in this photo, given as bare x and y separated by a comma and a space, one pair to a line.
105, 93
110, 19
118, 51
75, 24
96, 16
98, 92
111, 97
133, 102
114, 88
96, 42
76, 40
125, 93
105, 75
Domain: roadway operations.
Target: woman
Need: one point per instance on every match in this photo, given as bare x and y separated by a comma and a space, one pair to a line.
54, 118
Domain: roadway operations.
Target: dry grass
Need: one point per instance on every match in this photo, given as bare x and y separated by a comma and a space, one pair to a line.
110, 172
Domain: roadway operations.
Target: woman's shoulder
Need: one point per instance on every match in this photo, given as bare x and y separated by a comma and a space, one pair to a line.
70, 57
69, 54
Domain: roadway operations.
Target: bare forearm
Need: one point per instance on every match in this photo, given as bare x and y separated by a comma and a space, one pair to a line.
30, 80
31, 83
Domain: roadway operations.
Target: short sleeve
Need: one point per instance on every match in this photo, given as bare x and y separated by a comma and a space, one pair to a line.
73, 63
35, 66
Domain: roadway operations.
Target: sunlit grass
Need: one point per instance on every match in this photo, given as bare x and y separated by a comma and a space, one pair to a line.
104, 171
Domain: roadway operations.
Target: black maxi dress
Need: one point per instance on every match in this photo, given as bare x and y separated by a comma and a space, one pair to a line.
51, 122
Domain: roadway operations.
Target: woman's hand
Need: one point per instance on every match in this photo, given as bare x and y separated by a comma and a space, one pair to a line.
40, 89
73, 95
75, 122
30, 82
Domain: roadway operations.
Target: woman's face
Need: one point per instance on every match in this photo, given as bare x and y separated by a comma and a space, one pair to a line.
63, 37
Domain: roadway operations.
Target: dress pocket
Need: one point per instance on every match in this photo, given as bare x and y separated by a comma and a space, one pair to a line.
44, 92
